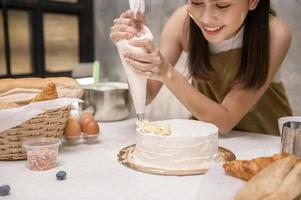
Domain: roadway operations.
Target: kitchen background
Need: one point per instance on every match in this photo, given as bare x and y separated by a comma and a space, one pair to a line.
76, 31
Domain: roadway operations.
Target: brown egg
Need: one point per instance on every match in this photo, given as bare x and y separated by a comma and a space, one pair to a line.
85, 118
72, 128
84, 121
86, 114
91, 128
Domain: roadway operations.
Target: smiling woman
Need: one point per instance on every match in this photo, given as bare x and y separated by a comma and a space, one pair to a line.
235, 49
220, 20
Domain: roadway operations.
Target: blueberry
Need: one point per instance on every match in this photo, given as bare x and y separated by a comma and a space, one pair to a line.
61, 175
4, 190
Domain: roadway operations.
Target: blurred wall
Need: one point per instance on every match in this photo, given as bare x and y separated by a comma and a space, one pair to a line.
290, 12
157, 13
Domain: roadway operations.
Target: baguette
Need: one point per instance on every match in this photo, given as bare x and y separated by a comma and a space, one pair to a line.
267, 180
7, 105
290, 188
19, 96
23, 90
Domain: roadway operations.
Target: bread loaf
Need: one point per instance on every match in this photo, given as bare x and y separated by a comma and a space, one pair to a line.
267, 180
7, 105
23, 90
290, 188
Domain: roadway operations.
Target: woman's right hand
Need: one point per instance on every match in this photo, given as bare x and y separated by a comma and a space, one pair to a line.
126, 26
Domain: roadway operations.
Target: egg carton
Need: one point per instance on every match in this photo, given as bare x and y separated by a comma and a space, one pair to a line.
82, 138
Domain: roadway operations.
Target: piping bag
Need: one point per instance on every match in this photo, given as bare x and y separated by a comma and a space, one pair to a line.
136, 82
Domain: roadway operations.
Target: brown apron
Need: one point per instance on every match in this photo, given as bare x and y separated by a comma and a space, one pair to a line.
263, 117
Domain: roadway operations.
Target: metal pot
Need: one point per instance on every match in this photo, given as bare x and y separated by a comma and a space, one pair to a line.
107, 101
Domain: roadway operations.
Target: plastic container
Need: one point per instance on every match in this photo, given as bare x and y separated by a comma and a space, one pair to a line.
42, 153
82, 138
91, 138
72, 140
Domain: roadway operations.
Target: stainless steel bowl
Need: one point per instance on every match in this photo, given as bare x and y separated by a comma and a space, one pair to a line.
107, 101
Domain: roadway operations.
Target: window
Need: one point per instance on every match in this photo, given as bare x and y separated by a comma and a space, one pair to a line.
2, 50
45, 37
19, 40
61, 42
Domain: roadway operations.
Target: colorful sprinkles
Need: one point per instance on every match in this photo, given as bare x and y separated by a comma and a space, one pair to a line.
43, 159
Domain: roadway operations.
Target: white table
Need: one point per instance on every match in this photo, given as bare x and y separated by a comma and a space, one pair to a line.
93, 172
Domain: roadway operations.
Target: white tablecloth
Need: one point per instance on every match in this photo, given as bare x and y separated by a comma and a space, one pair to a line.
93, 172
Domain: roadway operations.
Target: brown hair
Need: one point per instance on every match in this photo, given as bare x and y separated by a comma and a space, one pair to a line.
254, 64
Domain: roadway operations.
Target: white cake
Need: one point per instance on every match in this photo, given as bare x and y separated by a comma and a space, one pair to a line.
176, 144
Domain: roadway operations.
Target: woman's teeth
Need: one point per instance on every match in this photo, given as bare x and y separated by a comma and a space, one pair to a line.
213, 29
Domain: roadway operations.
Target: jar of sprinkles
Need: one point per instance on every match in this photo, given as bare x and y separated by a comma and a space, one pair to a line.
42, 153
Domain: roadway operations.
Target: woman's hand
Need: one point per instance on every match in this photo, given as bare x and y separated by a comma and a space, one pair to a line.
126, 26
151, 63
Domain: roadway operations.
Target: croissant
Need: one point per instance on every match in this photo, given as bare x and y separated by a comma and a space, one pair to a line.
246, 169
48, 93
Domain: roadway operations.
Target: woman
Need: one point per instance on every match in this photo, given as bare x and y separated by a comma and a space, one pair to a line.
235, 49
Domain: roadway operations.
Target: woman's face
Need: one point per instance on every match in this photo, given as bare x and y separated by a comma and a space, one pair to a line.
219, 19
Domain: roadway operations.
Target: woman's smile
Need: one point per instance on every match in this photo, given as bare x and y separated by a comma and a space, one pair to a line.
212, 30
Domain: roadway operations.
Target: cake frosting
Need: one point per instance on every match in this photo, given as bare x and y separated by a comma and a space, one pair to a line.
176, 144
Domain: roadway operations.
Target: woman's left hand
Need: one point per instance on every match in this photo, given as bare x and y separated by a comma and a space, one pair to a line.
149, 64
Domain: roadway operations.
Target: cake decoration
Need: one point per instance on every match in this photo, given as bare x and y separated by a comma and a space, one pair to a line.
147, 127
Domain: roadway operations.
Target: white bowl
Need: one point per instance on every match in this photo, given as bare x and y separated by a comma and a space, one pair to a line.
283, 120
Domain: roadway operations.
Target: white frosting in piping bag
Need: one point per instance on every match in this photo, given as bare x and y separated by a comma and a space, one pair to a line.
137, 83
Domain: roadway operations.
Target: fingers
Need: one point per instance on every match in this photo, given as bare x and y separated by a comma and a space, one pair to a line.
124, 28
144, 43
127, 14
115, 37
143, 67
126, 21
144, 73
154, 58
139, 20
141, 73
142, 57
141, 17
130, 15
144, 60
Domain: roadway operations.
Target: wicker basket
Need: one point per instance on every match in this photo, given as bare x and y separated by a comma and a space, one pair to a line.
49, 124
